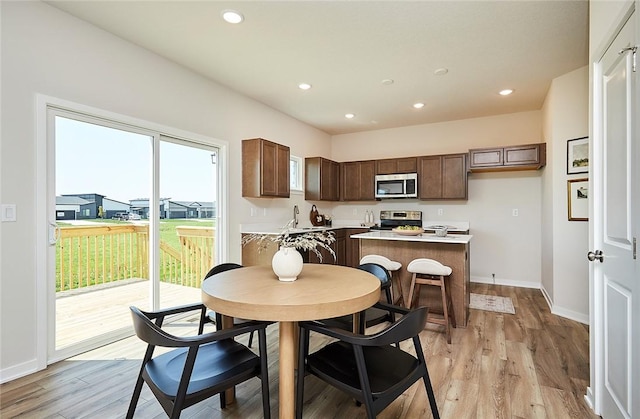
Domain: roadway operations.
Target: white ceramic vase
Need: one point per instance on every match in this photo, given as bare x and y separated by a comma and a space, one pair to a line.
287, 264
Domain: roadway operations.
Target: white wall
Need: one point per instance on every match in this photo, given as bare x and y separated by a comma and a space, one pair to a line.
47, 51
50, 52
445, 137
565, 243
507, 246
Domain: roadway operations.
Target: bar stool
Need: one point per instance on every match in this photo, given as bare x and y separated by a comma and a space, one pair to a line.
392, 267
432, 272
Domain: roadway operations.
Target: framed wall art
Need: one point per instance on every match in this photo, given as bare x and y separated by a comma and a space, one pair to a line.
578, 199
578, 155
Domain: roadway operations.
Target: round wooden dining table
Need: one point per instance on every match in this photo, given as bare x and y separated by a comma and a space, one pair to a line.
320, 292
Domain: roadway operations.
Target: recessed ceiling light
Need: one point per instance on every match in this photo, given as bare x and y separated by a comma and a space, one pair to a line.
506, 92
231, 16
418, 105
441, 71
349, 115
387, 82
304, 86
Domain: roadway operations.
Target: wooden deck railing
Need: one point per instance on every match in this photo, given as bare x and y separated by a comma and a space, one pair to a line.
93, 255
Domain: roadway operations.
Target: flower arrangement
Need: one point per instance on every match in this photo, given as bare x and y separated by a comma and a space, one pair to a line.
289, 237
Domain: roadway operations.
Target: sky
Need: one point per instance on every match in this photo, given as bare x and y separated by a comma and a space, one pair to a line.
115, 163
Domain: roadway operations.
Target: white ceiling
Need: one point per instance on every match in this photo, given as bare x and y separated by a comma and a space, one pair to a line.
346, 48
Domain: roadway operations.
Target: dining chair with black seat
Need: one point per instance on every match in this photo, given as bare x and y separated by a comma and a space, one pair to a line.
374, 315
368, 368
199, 366
217, 317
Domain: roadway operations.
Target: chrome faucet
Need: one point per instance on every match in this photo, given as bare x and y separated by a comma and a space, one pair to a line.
295, 216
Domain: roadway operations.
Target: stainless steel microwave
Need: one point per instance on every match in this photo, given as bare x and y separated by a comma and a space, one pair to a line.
403, 185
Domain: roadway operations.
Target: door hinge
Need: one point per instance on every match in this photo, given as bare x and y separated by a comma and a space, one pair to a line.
635, 254
633, 50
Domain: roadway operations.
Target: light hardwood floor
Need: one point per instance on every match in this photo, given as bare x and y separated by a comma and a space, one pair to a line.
529, 365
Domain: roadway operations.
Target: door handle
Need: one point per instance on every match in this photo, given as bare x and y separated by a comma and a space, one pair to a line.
596, 255
53, 234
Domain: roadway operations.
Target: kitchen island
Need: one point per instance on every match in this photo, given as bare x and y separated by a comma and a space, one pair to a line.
451, 250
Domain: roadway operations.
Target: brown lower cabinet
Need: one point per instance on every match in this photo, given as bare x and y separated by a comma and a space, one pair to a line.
353, 246
346, 250
338, 246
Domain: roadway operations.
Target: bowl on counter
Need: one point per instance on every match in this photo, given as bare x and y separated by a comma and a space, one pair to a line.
441, 232
408, 232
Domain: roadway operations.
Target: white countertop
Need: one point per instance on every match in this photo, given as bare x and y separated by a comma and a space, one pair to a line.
424, 237
459, 226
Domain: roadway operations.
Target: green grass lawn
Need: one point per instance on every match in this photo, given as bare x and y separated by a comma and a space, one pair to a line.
168, 229
127, 268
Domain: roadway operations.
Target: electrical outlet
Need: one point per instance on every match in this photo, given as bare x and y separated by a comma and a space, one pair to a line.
440, 211
514, 212
253, 212
264, 212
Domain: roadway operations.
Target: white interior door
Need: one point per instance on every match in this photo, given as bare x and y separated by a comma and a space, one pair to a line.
614, 183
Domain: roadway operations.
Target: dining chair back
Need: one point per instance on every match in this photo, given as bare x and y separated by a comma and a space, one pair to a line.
215, 316
371, 316
368, 368
199, 366
223, 267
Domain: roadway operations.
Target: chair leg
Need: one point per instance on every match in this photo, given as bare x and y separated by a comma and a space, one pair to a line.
264, 373
223, 400
445, 309
411, 291
398, 296
250, 339
430, 395
452, 313
303, 349
134, 399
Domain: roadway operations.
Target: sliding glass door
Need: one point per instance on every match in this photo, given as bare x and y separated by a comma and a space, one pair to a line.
134, 213
188, 209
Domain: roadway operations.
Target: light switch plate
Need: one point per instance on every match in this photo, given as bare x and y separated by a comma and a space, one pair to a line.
8, 212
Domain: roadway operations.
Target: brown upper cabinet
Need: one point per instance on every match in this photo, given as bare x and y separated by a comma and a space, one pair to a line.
442, 177
265, 169
358, 180
392, 166
322, 179
520, 157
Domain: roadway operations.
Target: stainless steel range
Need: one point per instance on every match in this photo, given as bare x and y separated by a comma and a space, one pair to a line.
395, 218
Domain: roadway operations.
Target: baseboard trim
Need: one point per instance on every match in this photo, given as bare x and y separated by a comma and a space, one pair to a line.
570, 314
588, 398
503, 281
18, 371
558, 311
